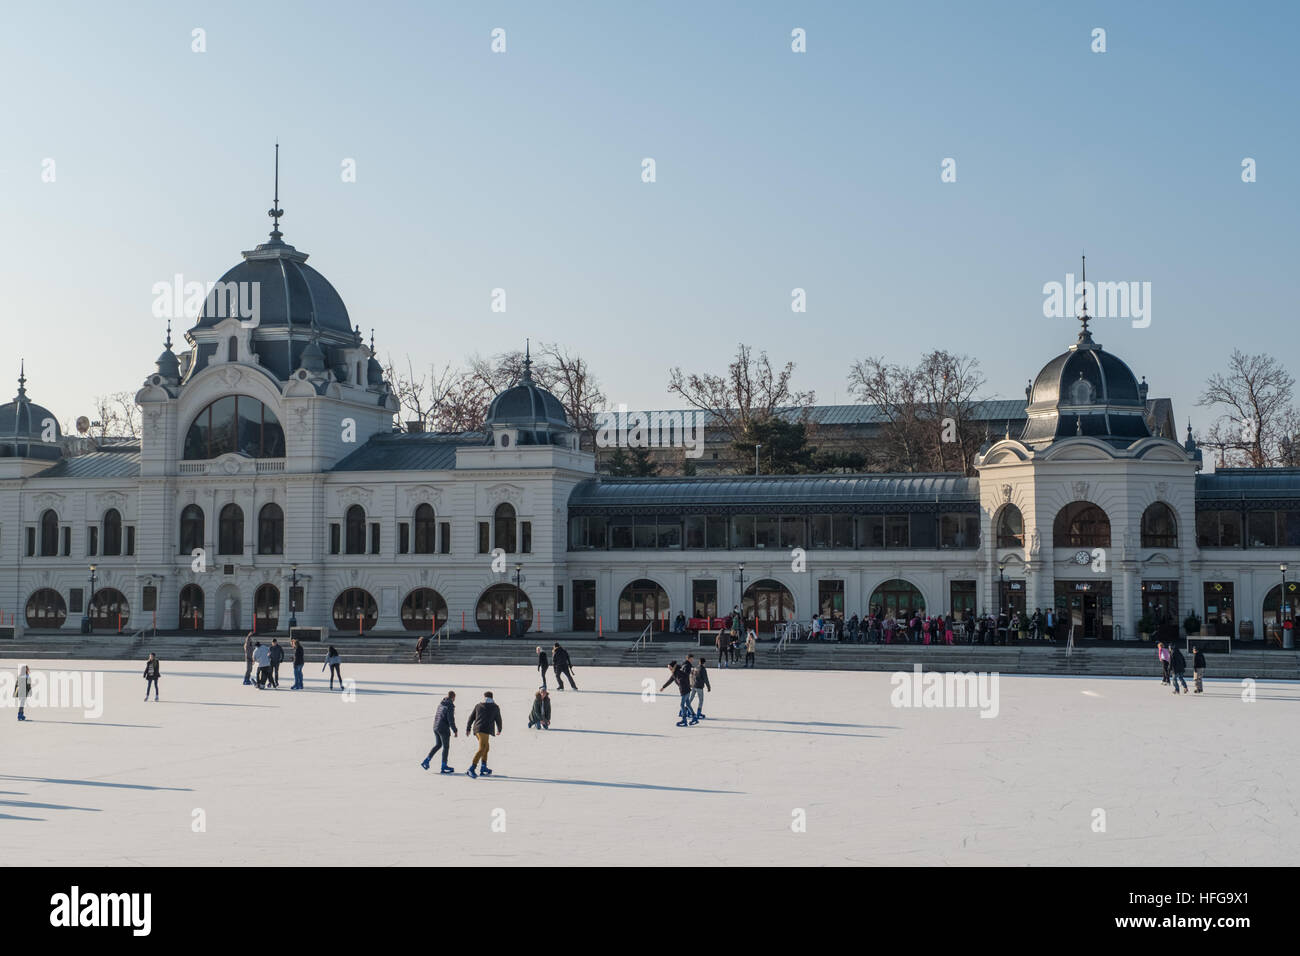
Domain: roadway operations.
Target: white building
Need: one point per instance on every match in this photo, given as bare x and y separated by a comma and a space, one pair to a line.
268, 455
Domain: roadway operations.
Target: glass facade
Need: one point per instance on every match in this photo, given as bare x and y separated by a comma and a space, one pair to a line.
235, 423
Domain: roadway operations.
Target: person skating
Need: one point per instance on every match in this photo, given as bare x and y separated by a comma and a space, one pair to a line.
262, 657
1177, 665
1198, 668
540, 715
151, 675
335, 665
699, 684
248, 658
484, 723
421, 643
680, 675
1162, 653
542, 664
276, 656
23, 688
751, 639
722, 642
561, 666
298, 657
444, 728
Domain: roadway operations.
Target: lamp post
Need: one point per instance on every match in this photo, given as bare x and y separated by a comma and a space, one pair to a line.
757, 446
1287, 634
293, 603
1002, 598
741, 603
518, 573
90, 621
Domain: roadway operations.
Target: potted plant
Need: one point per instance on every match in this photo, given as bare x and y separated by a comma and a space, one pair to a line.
1192, 624
1145, 626
1022, 625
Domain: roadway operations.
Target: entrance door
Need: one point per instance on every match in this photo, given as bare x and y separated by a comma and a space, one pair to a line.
1087, 607
1219, 618
584, 605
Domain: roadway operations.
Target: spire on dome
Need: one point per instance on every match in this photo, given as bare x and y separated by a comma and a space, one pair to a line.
168, 341
275, 212
527, 375
22, 381
1084, 334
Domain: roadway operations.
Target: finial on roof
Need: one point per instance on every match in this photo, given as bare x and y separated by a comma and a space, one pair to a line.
168, 341
275, 212
1084, 334
372, 341
528, 363
22, 380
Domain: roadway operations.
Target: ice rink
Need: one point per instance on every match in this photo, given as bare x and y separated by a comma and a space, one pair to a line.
288, 777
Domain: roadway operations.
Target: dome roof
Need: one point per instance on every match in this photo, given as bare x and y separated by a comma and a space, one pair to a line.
1086, 391
23, 427
289, 292
530, 408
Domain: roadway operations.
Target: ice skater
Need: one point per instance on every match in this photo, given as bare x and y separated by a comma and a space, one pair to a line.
444, 728
1198, 667
248, 658
681, 676
297, 663
542, 664
22, 688
484, 723
1162, 653
335, 665
561, 665
262, 657
722, 642
540, 715
151, 674
421, 643
1177, 665
750, 640
699, 684
276, 656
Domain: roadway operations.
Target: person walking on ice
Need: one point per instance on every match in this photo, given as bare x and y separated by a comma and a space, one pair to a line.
484, 723
1177, 665
262, 657
750, 640
540, 715
444, 728
561, 665
542, 665
248, 658
699, 684
151, 675
335, 665
1198, 667
22, 688
681, 676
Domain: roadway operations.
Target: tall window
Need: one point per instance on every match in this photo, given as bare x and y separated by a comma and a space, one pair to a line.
232, 349
1159, 527
504, 530
112, 531
1081, 524
49, 533
426, 530
1011, 528
270, 529
191, 528
230, 530
236, 423
354, 521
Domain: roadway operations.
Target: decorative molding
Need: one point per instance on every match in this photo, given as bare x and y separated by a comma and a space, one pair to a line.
1006, 494
419, 494
153, 423
354, 495
507, 494
231, 376
48, 499
301, 427
1080, 490
1035, 544
1162, 490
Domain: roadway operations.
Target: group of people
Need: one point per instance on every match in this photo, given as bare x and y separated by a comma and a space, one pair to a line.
917, 627
692, 680
1174, 665
268, 657
484, 723
559, 662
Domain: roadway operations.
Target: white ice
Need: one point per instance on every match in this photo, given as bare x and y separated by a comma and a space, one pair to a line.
285, 777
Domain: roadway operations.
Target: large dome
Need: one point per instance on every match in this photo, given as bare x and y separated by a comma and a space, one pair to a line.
290, 292
1086, 391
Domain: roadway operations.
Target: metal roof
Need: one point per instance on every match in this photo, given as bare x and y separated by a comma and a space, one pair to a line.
791, 493
98, 464
1248, 484
998, 409
409, 451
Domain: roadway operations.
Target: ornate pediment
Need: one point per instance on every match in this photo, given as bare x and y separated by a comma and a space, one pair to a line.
110, 499
509, 494
48, 499
421, 494
1006, 493
355, 495
1080, 490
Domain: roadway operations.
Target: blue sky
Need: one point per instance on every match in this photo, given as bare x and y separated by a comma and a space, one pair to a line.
775, 170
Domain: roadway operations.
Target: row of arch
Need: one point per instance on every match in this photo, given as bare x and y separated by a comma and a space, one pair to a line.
110, 529
1081, 524
230, 529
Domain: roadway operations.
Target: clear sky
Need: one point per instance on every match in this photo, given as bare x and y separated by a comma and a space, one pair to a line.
775, 170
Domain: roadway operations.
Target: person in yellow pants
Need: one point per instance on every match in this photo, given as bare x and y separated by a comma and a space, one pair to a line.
484, 723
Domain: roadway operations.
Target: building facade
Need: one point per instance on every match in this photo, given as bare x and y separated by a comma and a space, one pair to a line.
269, 484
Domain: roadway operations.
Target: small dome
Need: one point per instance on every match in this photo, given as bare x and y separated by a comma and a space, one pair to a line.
533, 410
169, 366
313, 359
24, 426
374, 372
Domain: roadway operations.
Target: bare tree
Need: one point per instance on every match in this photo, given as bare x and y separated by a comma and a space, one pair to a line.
116, 416
750, 392
896, 391
576, 387
1255, 396
422, 399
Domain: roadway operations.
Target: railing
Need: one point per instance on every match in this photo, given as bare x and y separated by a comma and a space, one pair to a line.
444, 630
151, 630
787, 630
646, 637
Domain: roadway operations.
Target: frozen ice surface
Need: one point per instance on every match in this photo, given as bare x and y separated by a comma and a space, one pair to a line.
288, 777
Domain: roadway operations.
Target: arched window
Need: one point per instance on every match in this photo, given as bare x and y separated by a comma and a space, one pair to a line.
270, 529
191, 528
504, 531
191, 611
236, 423
232, 349
1159, 527
1010, 528
109, 610
641, 602
424, 610
354, 520
1081, 524
230, 530
112, 531
266, 607
49, 533
897, 598
426, 530
767, 602
45, 608
503, 609
355, 606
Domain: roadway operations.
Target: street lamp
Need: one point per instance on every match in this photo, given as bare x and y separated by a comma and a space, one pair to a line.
293, 603
1002, 599
741, 603
757, 446
90, 621
518, 592
1281, 608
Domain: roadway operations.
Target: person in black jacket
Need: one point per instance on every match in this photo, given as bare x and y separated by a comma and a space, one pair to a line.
561, 666
484, 722
277, 655
297, 663
151, 675
680, 675
540, 715
542, 664
1177, 666
699, 684
1198, 667
444, 726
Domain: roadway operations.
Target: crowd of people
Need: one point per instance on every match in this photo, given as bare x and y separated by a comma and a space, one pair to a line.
904, 626
1174, 666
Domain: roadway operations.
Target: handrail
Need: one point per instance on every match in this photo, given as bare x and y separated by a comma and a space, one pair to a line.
646, 637
445, 629
143, 631
786, 630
